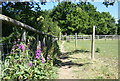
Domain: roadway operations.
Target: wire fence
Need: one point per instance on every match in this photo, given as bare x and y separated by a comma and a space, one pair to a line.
89, 37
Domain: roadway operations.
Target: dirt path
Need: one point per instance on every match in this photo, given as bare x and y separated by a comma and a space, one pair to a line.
65, 72
80, 66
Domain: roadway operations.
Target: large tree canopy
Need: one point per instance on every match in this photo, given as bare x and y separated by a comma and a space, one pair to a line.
81, 17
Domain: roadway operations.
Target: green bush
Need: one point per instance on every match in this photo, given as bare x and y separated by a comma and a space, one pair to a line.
22, 64
97, 50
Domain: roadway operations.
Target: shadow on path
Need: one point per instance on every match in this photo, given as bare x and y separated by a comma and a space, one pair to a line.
77, 51
65, 56
70, 63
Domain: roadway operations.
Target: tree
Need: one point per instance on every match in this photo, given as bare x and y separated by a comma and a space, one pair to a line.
77, 21
106, 24
60, 13
92, 15
47, 25
69, 17
20, 11
81, 17
118, 25
29, 13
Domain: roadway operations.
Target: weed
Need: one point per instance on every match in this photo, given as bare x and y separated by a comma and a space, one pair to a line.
97, 50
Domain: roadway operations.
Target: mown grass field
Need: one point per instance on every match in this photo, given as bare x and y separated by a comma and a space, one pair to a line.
107, 47
105, 64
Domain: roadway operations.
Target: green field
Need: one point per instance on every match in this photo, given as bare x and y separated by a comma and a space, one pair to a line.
104, 66
107, 47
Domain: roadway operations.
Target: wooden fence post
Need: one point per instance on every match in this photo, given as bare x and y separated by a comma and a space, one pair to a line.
75, 40
112, 37
98, 37
69, 38
24, 36
93, 44
38, 42
66, 36
44, 42
83, 37
105, 37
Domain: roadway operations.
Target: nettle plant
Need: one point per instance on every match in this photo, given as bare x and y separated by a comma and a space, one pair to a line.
24, 63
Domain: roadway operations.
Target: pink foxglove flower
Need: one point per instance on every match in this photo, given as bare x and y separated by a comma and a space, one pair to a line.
38, 53
22, 47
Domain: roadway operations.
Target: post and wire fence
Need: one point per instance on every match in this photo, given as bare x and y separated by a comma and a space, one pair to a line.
46, 42
91, 38
51, 37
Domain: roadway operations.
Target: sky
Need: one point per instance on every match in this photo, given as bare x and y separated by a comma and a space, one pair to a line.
113, 10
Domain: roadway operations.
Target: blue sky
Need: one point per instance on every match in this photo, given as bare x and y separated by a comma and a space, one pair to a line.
100, 7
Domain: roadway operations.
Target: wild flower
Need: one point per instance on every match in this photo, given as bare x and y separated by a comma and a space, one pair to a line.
38, 53
43, 60
17, 45
22, 47
30, 64
48, 57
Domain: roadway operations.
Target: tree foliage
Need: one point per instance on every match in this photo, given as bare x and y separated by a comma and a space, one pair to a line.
66, 17
118, 25
81, 17
31, 14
